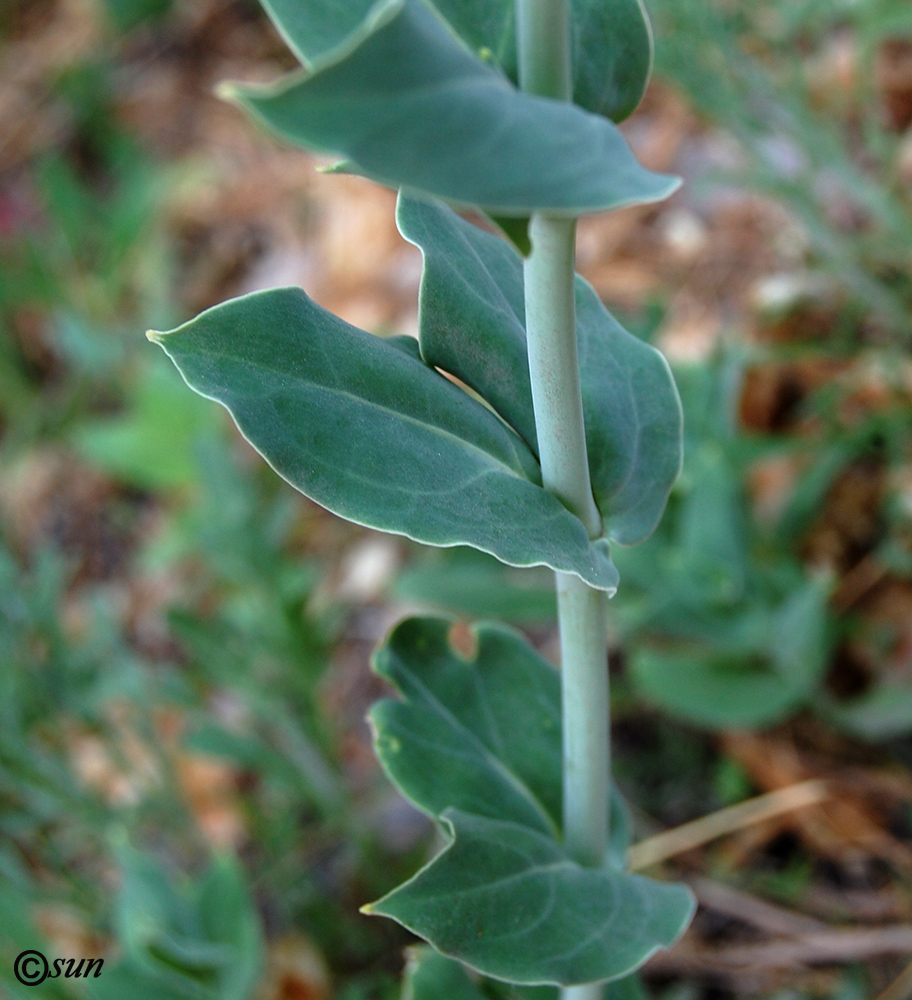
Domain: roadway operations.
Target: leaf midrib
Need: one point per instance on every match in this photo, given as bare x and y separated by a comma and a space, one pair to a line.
433, 428
513, 778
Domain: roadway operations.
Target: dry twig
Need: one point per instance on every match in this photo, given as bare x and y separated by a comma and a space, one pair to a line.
729, 820
750, 910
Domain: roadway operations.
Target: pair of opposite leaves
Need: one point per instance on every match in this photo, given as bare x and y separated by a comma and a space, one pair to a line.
372, 430
368, 428
612, 42
412, 100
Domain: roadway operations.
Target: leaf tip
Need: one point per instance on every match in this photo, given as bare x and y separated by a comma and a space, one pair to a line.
339, 167
228, 91
155, 336
674, 182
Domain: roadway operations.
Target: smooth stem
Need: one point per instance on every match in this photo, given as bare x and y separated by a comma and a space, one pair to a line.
591, 991
582, 614
545, 69
554, 366
581, 611
544, 47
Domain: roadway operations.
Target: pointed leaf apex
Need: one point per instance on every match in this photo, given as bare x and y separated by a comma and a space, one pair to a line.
228, 91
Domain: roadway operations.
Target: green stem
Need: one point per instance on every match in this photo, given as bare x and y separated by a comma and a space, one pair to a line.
544, 47
554, 366
582, 614
545, 69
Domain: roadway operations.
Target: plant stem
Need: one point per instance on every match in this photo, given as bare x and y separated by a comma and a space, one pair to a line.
545, 69
543, 43
554, 366
582, 614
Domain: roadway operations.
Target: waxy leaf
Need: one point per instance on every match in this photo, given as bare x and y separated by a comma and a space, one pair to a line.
472, 324
495, 720
490, 726
368, 430
506, 900
612, 47
431, 976
612, 43
314, 28
407, 105
475, 742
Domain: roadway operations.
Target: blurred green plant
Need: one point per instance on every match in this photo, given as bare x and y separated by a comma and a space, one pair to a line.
85, 252
823, 148
183, 941
126, 15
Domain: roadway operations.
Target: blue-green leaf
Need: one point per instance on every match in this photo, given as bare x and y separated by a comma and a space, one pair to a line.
314, 28
612, 47
431, 976
408, 105
506, 900
612, 43
367, 429
475, 742
152, 444
489, 726
199, 941
472, 324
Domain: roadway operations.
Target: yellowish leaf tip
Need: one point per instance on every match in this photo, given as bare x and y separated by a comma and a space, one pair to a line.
226, 91
154, 335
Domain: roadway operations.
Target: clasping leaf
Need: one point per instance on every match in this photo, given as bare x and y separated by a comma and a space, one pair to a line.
475, 742
407, 104
612, 42
472, 323
367, 429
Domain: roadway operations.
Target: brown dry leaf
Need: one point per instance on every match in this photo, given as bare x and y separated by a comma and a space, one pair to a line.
795, 306
295, 970
28, 68
771, 481
660, 127
66, 932
882, 646
691, 331
50, 498
210, 787
603, 238
773, 391
844, 828
120, 767
832, 74
849, 523
893, 78
691, 960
